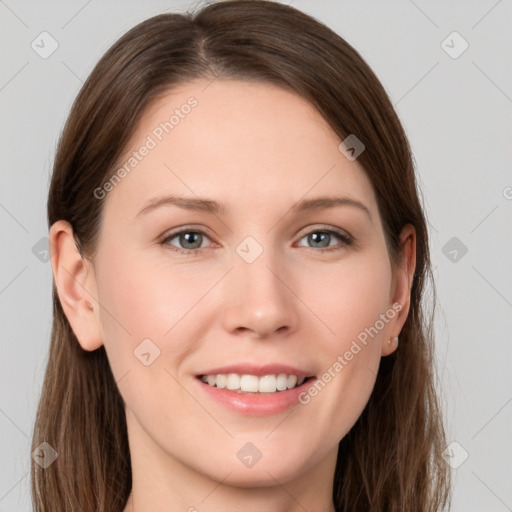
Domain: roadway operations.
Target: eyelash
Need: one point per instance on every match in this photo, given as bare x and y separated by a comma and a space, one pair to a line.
345, 239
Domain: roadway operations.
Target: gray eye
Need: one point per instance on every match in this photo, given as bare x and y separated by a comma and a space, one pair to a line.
187, 240
321, 239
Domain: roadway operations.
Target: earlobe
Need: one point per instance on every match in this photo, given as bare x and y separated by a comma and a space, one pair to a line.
401, 289
76, 286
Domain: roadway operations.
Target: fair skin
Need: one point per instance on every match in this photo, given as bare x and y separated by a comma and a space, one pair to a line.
259, 150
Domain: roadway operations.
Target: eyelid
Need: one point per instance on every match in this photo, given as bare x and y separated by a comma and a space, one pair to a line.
319, 227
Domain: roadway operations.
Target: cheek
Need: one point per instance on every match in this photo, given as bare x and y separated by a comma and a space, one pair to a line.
351, 305
141, 300
348, 298
365, 298
146, 326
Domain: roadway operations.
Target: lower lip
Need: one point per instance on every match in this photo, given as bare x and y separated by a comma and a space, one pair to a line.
256, 404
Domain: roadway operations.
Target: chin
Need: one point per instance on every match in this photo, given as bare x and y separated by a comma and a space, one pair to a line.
258, 473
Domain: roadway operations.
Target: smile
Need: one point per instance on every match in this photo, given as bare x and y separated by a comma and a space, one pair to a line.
252, 383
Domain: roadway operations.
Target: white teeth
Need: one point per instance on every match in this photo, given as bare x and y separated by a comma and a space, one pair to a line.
281, 381
291, 382
249, 383
268, 384
220, 381
253, 383
233, 381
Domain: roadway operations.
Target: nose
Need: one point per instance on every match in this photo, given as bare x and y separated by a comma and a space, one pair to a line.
259, 299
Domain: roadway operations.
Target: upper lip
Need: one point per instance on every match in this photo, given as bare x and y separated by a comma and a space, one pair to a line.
258, 370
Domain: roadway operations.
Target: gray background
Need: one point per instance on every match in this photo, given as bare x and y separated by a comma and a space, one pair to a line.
457, 114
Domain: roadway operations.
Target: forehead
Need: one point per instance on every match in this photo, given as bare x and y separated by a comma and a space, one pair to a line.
242, 143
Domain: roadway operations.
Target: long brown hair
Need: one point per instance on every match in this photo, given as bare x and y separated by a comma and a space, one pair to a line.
391, 458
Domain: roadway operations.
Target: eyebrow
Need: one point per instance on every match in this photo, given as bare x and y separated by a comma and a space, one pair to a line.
216, 208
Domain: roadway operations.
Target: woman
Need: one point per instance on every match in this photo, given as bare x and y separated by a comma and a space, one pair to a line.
239, 257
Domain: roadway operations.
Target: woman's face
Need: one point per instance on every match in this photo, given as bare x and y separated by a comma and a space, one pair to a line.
265, 279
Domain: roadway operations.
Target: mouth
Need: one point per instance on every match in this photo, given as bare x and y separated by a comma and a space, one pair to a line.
254, 384
255, 390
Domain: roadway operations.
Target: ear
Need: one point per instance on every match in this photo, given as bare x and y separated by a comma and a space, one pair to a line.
401, 288
76, 286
